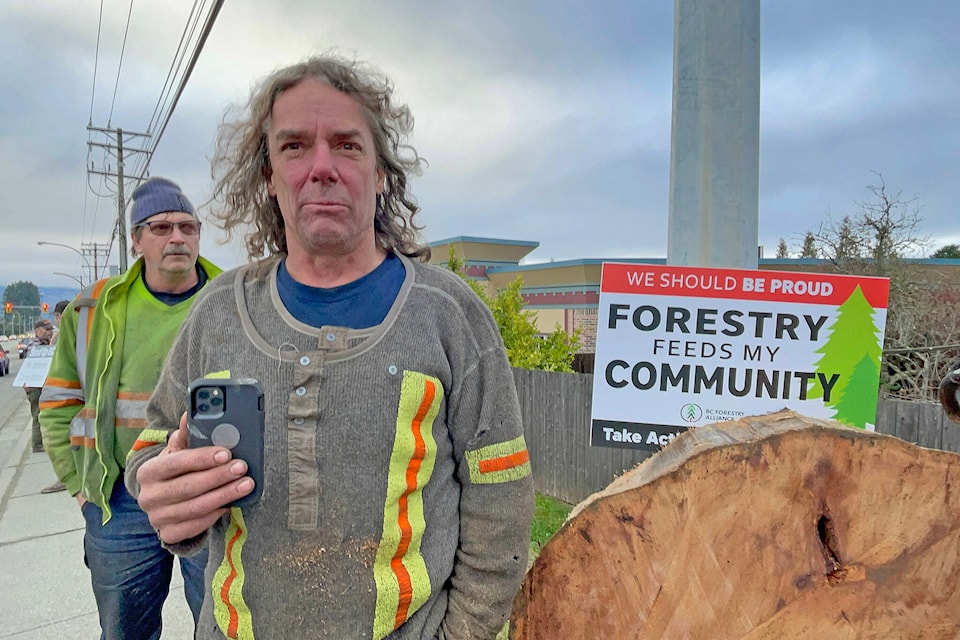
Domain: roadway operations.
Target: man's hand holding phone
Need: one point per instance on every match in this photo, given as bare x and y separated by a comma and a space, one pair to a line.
185, 490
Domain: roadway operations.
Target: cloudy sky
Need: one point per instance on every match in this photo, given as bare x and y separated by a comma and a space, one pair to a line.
542, 120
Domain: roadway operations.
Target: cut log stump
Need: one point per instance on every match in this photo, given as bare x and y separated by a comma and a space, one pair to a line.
770, 527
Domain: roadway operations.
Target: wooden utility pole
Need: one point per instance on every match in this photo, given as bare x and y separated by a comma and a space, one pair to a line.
115, 148
121, 207
99, 252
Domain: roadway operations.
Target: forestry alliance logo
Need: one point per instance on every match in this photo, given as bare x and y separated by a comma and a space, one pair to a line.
691, 413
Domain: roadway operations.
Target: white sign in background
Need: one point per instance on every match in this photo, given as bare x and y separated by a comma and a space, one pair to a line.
733, 363
667, 362
34, 369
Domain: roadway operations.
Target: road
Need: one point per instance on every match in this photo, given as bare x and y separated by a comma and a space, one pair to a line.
46, 592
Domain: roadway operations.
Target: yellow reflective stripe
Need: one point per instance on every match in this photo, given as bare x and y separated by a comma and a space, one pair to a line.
154, 436
403, 584
148, 438
216, 375
501, 462
229, 610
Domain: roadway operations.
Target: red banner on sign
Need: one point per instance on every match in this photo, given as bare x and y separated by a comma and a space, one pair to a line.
745, 284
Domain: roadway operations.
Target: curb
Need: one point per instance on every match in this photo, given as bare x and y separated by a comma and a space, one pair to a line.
8, 481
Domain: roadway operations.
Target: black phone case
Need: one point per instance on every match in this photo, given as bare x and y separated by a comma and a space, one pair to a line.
239, 426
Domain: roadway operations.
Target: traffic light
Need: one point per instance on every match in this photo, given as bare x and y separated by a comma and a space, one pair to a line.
8, 307
44, 307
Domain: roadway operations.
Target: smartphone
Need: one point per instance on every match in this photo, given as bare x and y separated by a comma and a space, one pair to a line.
228, 412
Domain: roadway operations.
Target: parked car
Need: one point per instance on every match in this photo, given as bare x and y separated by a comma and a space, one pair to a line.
24, 346
4, 361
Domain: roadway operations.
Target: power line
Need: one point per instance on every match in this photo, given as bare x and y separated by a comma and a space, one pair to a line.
93, 93
123, 48
96, 210
204, 34
117, 149
96, 60
188, 30
186, 37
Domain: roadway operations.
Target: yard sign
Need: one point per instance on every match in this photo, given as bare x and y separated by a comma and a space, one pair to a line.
680, 347
33, 371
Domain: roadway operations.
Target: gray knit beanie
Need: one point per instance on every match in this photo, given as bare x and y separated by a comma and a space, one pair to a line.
157, 195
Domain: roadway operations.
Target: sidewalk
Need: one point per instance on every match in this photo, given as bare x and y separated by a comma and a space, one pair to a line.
45, 585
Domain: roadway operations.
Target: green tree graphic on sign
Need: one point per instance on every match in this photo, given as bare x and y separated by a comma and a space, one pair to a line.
856, 408
852, 350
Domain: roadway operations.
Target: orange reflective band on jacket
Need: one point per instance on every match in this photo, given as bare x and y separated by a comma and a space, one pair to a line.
83, 428
131, 410
59, 393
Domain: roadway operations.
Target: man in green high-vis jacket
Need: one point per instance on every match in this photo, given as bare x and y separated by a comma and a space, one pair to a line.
112, 344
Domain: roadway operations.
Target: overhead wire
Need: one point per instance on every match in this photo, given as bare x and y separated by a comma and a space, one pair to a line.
96, 59
194, 57
188, 29
207, 28
123, 48
93, 93
163, 112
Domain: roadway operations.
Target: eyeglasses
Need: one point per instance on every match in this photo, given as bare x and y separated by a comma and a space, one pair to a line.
165, 228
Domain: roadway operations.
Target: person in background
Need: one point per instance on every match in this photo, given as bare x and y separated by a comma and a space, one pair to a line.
113, 341
397, 499
42, 333
57, 314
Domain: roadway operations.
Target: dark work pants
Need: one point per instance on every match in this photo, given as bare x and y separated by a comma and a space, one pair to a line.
130, 571
33, 394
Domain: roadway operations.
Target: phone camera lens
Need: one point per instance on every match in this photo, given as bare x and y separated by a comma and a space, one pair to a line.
203, 408
216, 401
203, 394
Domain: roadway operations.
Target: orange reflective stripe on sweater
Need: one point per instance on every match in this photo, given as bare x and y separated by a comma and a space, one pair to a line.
400, 573
229, 609
150, 437
500, 462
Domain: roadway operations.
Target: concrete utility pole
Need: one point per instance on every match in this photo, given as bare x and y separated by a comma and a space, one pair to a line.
115, 147
715, 142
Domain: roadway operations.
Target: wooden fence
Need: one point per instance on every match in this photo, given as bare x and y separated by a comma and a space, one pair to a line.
556, 415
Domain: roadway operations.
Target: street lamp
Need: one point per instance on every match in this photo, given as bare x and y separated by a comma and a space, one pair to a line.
76, 251
67, 275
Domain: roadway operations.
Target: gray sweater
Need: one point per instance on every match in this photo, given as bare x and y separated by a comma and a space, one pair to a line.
397, 500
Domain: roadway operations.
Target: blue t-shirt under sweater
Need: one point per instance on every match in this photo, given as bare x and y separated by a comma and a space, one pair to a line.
359, 304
